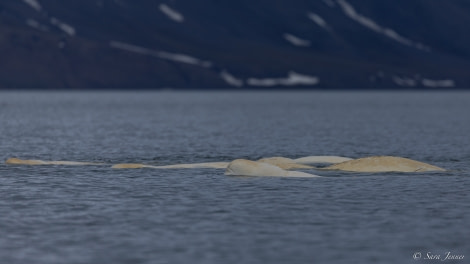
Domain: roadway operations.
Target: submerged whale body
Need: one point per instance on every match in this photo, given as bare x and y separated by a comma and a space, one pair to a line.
275, 166
320, 159
284, 163
16, 161
384, 164
242, 167
129, 166
24, 162
205, 165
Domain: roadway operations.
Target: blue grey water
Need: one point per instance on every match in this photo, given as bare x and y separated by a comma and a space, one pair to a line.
95, 214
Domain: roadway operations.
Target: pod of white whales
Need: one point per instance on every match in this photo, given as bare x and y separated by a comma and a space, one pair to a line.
274, 166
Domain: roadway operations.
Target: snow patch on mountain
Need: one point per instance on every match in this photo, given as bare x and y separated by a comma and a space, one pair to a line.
130, 48
404, 81
351, 12
318, 20
412, 82
34, 4
292, 79
296, 41
35, 24
230, 79
438, 83
171, 13
68, 29
182, 58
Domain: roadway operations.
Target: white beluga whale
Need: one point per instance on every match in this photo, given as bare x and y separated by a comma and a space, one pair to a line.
284, 163
383, 164
276, 166
320, 159
16, 161
242, 167
130, 166
204, 165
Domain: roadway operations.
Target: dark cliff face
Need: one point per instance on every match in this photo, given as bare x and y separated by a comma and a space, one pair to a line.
234, 44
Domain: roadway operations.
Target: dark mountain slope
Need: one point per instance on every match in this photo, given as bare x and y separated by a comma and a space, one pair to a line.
217, 44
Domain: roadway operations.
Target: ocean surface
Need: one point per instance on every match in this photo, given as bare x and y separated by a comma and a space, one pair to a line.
95, 214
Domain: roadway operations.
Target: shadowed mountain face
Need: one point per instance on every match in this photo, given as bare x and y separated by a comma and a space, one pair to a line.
235, 44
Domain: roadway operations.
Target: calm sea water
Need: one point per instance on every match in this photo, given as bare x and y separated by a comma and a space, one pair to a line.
94, 214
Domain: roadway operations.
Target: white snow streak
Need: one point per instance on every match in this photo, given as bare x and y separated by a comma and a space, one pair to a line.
32, 23
63, 26
183, 58
409, 82
171, 13
296, 41
292, 80
160, 54
35, 24
54, 21
318, 20
34, 4
349, 10
438, 83
130, 47
230, 79
404, 81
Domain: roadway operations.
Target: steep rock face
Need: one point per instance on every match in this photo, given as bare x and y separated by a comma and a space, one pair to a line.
220, 44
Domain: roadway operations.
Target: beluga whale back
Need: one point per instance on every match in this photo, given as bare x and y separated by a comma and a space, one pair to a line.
16, 161
242, 167
284, 163
384, 164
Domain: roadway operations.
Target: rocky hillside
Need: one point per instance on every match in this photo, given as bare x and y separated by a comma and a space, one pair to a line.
406, 44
